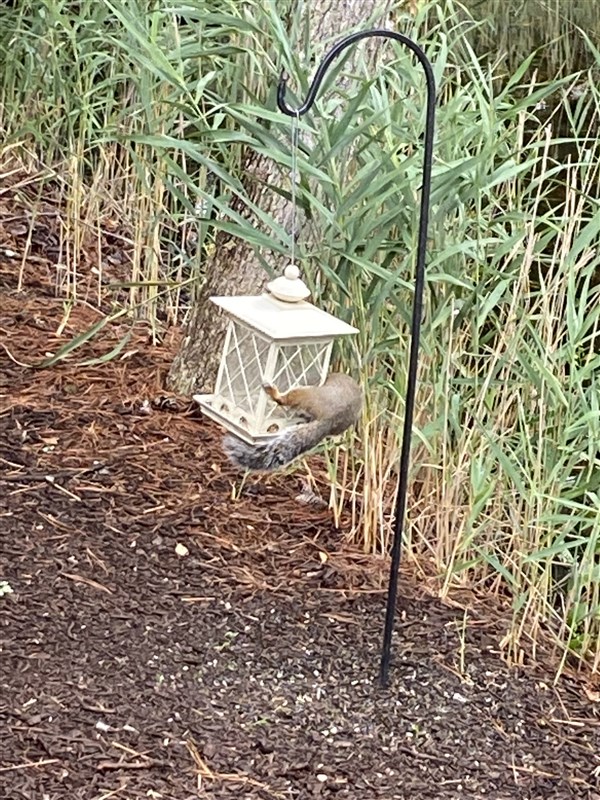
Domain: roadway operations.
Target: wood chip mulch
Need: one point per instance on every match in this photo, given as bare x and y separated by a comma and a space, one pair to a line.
173, 634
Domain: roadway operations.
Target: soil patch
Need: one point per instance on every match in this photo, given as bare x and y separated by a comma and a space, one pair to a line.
168, 637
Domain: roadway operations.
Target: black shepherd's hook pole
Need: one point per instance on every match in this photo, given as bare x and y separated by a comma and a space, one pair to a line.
417, 313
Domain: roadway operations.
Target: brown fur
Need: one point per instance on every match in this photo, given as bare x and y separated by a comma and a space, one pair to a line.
329, 409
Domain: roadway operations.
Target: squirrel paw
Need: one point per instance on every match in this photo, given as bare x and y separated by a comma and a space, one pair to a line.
273, 392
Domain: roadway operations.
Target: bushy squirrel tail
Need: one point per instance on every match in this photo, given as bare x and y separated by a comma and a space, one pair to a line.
280, 450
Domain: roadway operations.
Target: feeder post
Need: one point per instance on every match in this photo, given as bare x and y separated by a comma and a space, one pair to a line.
417, 311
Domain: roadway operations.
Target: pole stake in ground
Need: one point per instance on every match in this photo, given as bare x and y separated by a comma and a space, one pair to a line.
417, 311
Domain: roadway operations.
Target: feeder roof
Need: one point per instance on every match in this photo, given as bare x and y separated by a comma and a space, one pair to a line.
281, 321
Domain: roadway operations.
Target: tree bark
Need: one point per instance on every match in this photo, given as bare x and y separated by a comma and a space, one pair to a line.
234, 267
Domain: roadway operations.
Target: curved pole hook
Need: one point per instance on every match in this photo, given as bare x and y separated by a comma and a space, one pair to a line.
400, 506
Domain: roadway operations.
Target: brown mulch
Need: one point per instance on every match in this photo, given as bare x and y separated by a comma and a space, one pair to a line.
173, 633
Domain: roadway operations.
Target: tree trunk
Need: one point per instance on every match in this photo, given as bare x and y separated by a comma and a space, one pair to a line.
234, 267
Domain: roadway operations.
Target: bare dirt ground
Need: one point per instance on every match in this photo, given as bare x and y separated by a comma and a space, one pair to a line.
168, 638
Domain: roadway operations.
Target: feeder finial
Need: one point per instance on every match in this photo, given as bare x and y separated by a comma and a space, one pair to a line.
289, 287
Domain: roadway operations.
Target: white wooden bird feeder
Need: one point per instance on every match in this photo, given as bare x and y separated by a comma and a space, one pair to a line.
276, 338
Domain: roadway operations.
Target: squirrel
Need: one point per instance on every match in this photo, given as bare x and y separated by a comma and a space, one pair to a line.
327, 410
